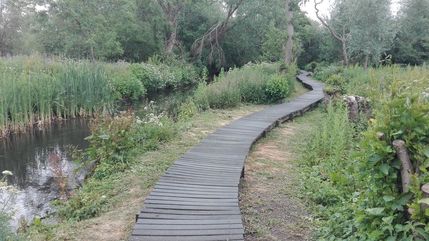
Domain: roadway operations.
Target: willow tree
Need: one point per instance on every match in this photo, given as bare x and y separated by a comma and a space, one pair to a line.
371, 29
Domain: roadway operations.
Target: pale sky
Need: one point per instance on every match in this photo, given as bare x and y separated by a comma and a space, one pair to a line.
326, 4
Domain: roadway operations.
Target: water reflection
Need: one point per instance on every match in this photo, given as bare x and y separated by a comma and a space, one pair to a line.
41, 166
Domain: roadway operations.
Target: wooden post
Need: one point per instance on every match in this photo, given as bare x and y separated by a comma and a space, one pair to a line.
406, 166
425, 190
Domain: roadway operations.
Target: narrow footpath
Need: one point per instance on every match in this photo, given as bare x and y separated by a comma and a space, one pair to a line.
197, 198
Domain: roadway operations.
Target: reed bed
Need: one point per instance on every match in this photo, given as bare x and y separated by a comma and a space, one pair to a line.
36, 90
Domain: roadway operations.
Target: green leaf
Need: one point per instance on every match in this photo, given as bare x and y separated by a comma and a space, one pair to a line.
424, 201
375, 211
388, 198
384, 168
104, 137
426, 152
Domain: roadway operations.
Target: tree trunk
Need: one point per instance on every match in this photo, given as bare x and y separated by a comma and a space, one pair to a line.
365, 64
172, 38
345, 55
288, 48
171, 11
406, 166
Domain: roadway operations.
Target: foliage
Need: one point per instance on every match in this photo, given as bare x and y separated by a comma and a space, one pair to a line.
34, 89
272, 47
253, 83
126, 85
157, 75
411, 45
361, 199
187, 110
113, 146
277, 88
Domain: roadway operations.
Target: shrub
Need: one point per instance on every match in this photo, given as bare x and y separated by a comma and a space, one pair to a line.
158, 76
200, 98
125, 84
277, 88
337, 83
113, 145
187, 110
250, 84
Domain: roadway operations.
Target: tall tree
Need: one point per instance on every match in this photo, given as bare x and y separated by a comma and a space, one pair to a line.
171, 9
339, 26
370, 29
12, 17
212, 38
288, 47
412, 40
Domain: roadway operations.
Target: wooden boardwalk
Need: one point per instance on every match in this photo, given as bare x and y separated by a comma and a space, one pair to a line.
197, 198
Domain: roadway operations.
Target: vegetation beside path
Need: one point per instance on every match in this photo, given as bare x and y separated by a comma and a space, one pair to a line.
131, 152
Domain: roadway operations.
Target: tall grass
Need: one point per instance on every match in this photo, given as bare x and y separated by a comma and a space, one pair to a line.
253, 83
36, 90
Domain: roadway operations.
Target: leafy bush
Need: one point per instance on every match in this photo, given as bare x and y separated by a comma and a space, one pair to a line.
187, 110
250, 84
277, 88
365, 180
161, 76
125, 84
113, 145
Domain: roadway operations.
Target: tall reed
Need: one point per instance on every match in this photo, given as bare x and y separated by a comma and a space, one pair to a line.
35, 90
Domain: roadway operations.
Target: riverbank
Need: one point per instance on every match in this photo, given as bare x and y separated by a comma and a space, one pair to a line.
130, 187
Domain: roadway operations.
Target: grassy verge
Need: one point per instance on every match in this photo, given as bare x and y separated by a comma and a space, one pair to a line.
126, 190
350, 171
269, 198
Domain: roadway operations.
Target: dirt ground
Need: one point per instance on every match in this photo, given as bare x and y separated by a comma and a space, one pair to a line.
268, 199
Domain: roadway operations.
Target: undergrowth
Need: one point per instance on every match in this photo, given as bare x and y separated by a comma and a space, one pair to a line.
352, 178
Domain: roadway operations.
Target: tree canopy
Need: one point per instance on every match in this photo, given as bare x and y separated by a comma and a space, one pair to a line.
216, 33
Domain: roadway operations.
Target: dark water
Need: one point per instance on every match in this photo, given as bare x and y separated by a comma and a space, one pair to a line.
36, 159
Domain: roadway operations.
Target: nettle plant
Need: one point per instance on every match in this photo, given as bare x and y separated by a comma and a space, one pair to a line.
384, 210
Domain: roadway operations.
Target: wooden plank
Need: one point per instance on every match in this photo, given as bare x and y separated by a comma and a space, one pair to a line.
197, 232
188, 227
145, 216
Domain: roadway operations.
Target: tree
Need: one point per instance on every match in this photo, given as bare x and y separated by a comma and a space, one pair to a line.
340, 25
11, 23
171, 9
370, 29
213, 37
412, 40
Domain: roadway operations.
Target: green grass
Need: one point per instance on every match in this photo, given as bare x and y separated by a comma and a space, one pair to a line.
253, 83
34, 89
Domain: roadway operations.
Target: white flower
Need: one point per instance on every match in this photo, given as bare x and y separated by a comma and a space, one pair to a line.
7, 173
103, 197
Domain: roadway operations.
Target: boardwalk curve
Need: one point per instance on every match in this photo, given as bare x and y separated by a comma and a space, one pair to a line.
197, 198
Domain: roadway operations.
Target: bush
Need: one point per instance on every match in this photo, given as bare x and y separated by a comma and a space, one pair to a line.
113, 145
336, 83
250, 84
187, 110
277, 88
125, 84
365, 180
159, 76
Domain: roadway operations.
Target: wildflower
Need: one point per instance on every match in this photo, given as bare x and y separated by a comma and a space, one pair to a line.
7, 173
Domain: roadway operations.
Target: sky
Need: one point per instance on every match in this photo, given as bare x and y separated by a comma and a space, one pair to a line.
325, 7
